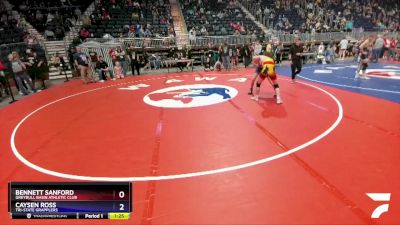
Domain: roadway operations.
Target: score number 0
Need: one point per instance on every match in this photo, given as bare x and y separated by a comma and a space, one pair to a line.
121, 194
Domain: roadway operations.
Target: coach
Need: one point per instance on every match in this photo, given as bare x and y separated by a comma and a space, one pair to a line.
295, 57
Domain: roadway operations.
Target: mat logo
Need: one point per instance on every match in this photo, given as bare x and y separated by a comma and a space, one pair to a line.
187, 96
379, 197
384, 73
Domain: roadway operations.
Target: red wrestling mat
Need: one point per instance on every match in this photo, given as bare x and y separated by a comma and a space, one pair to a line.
201, 152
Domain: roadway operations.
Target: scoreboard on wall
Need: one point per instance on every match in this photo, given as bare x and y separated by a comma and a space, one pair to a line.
70, 200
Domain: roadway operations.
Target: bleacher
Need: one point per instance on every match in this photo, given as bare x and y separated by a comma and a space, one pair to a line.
51, 16
356, 13
118, 18
196, 17
10, 30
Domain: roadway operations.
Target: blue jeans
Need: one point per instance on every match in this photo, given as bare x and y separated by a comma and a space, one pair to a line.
225, 62
124, 65
376, 53
20, 78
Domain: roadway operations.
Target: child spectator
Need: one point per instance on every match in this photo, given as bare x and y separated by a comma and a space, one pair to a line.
118, 70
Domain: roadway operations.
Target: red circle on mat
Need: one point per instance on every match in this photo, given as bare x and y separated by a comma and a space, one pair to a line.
111, 132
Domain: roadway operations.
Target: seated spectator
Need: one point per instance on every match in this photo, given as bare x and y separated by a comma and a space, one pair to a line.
84, 34
223, 31
103, 71
86, 21
49, 34
118, 71
203, 31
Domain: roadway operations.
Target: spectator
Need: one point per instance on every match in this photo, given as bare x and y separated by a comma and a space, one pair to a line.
203, 31
257, 48
20, 72
36, 67
3, 81
392, 48
343, 48
223, 31
102, 70
386, 46
118, 70
278, 52
377, 48
321, 53
134, 61
234, 56
120, 54
224, 53
84, 34
245, 51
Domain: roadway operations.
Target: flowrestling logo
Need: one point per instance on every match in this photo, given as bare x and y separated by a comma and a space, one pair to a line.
188, 96
388, 72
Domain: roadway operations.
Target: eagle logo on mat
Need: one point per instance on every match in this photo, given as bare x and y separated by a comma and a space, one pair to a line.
384, 73
187, 96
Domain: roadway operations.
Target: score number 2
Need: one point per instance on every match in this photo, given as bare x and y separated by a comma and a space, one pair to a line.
121, 195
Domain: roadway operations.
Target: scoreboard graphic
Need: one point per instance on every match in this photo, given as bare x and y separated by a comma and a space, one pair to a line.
70, 200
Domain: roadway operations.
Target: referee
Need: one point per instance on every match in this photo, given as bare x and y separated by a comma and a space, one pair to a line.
296, 55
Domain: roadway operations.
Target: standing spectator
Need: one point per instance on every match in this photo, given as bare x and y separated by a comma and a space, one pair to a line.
134, 61
386, 46
257, 48
295, 55
278, 52
377, 49
120, 53
245, 51
187, 54
224, 53
81, 62
330, 53
3, 81
208, 57
216, 60
21, 76
343, 48
234, 56
268, 49
321, 53
36, 68
392, 48
356, 51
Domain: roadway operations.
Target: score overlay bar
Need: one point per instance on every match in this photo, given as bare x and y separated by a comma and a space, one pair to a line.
91, 216
69, 200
